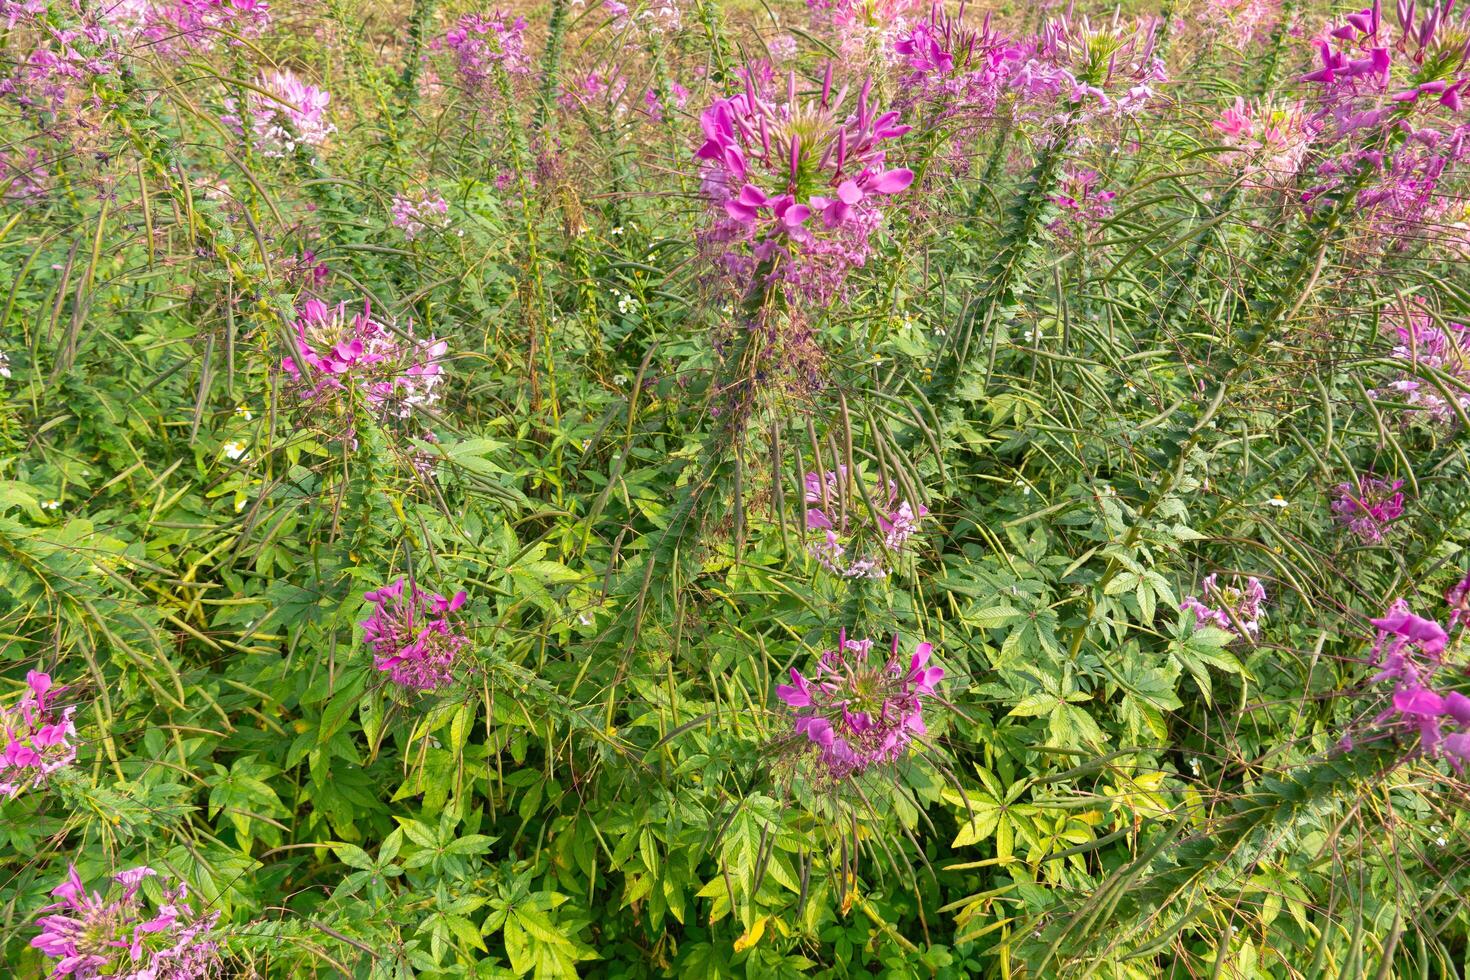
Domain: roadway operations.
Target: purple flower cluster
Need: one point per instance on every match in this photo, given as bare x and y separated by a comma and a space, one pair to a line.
92, 935
1270, 141
413, 639
481, 44
1392, 108
848, 543
1083, 206
426, 212
652, 17
1409, 648
1458, 599
397, 374
1089, 70
36, 738
795, 188
860, 712
175, 28
1228, 607
293, 115
1423, 343
52, 77
1368, 506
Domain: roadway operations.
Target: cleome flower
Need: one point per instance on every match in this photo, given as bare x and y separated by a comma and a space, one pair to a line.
841, 518
35, 738
292, 115
1226, 606
796, 187
859, 712
413, 639
396, 374
92, 935
1368, 505
1408, 650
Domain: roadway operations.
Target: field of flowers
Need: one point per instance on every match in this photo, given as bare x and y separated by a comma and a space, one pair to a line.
734, 488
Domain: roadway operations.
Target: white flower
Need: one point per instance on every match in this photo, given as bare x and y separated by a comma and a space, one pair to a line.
241, 412
234, 449
1278, 501
4, 364
50, 505
618, 230
620, 379
584, 618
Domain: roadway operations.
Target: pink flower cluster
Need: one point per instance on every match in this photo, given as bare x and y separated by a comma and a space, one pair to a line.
426, 212
1409, 648
1084, 207
36, 738
1237, 23
1228, 607
860, 712
53, 83
1423, 343
397, 375
292, 116
865, 30
481, 44
956, 69
1391, 108
848, 545
795, 188
413, 639
174, 28
1088, 70
1368, 505
652, 17
91, 935
1270, 142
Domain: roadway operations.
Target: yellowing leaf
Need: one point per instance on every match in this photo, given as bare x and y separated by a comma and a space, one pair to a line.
752, 935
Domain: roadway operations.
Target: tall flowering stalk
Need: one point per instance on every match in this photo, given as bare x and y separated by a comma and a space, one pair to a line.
35, 737
858, 711
414, 639
116, 934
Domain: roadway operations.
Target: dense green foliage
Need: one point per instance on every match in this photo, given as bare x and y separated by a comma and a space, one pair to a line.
1097, 414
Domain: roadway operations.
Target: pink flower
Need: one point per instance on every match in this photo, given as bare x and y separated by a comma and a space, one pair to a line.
35, 738
1228, 605
795, 189
414, 640
859, 712
396, 374
293, 115
114, 935
1368, 506
835, 508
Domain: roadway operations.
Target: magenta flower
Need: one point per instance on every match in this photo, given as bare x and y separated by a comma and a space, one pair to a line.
1409, 649
1368, 506
396, 374
1224, 606
416, 215
858, 712
35, 738
175, 28
414, 640
480, 45
846, 545
796, 189
93, 936
293, 115
1458, 599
